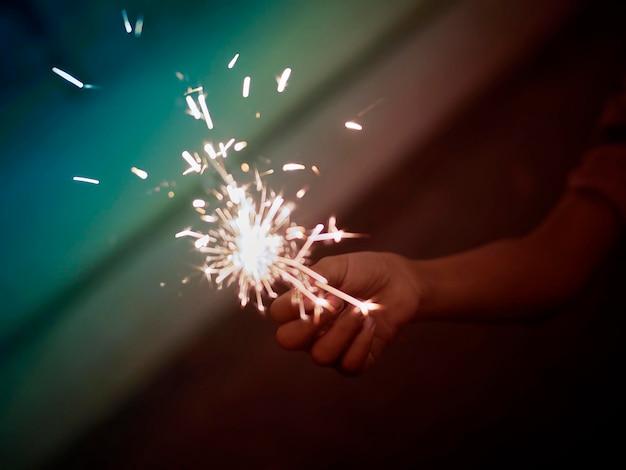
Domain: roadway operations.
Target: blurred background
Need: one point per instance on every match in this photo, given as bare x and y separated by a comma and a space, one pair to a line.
116, 353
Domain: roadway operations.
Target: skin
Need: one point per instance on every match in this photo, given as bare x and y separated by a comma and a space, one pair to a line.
508, 279
504, 280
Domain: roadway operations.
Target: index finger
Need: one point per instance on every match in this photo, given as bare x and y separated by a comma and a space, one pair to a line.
283, 310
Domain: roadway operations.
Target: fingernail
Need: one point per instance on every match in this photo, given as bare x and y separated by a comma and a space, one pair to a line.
369, 323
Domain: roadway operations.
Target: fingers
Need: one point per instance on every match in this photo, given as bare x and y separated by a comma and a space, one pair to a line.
328, 348
301, 333
283, 310
296, 335
358, 357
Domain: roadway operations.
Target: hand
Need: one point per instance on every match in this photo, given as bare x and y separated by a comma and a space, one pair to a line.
342, 338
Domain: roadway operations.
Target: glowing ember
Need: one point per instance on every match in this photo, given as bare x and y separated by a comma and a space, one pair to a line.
193, 108
293, 167
84, 179
233, 61
127, 25
140, 173
282, 81
246, 87
240, 146
63, 74
139, 26
354, 126
205, 111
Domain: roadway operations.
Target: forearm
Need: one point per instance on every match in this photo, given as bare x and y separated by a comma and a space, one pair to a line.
515, 277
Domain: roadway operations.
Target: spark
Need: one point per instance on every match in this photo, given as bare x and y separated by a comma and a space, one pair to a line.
205, 111
353, 125
63, 74
140, 173
194, 165
84, 179
293, 167
193, 108
246, 87
139, 26
233, 61
301, 192
282, 81
127, 26
315, 170
240, 146
198, 203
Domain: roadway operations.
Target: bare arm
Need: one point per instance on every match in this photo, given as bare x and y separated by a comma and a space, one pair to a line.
514, 277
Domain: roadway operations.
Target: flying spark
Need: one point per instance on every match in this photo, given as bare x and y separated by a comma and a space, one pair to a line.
293, 167
282, 81
140, 173
246, 87
84, 179
205, 111
127, 26
139, 26
63, 74
233, 61
354, 126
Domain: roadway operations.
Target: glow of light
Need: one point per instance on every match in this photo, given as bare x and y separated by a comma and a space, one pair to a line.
245, 167
83, 179
257, 115
139, 26
140, 173
198, 203
246, 87
193, 108
180, 76
240, 146
63, 74
205, 110
353, 125
282, 81
315, 170
171, 194
293, 167
127, 25
233, 61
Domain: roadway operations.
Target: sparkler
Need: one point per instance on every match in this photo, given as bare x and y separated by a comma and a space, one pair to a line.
253, 242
